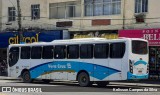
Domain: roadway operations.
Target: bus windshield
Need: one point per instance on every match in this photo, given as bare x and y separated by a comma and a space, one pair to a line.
139, 47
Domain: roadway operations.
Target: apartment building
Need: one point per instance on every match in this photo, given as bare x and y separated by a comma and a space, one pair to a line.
81, 15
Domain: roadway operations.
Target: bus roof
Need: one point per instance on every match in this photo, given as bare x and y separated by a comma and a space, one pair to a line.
75, 41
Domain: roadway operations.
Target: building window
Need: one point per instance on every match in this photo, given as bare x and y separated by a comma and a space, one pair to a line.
35, 11
117, 50
102, 7
88, 8
65, 10
98, 9
11, 14
71, 10
141, 6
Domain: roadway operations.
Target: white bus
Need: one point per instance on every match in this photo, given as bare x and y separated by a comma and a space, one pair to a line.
85, 60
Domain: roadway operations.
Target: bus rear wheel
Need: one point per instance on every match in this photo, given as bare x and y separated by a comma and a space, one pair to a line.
26, 77
83, 79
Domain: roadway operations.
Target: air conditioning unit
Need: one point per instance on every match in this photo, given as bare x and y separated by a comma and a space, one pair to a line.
140, 17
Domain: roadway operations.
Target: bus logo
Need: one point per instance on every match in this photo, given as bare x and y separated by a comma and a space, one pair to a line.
69, 65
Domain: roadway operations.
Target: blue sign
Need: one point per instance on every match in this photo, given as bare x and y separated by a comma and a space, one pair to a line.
7, 38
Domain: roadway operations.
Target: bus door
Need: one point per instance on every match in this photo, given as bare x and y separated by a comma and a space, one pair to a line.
117, 51
101, 62
13, 58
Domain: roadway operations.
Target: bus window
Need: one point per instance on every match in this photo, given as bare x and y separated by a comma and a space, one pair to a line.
36, 52
13, 56
139, 47
60, 52
73, 52
101, 50
86, 51
25, 52
47, 52
117, 50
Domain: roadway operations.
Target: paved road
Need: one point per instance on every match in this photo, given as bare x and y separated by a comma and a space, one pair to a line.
68, 88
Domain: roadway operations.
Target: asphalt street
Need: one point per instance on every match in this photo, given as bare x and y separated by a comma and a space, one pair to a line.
67, 88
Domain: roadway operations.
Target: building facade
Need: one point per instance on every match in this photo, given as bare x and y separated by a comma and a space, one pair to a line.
81, 15
87, 18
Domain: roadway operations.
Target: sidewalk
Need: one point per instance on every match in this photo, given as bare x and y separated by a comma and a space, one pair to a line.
146, 81
8, 78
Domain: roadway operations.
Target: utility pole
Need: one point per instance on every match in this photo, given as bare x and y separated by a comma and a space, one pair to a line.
19, 22
124, 12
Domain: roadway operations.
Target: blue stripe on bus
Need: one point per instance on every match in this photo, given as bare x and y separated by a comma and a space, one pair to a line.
100, 72
140, 62
133, 76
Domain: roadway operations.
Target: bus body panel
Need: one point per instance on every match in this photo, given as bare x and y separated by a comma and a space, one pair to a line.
98, 71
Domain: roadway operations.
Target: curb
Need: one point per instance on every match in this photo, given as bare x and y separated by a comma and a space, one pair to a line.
149, 81
8, 78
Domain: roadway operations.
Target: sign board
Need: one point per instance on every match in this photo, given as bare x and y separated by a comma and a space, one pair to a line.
7, 38
152, 35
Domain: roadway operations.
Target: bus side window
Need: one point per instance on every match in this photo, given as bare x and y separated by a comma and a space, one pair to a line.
101, 50
36, 52
86, 51
25, 52
73, 52
13, 56
60, 52
47, 52
117, 50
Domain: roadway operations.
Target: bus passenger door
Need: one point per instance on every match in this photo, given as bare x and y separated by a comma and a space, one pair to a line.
13, 61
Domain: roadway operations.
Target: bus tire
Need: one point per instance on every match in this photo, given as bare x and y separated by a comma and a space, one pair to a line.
83, 79
26, 77
102, 83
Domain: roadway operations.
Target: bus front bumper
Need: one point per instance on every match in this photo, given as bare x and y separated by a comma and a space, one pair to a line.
133, 76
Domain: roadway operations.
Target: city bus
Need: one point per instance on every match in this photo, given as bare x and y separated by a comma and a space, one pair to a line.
87, 60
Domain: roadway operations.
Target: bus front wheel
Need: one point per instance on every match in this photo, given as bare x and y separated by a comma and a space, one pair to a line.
26, 77
83, 79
